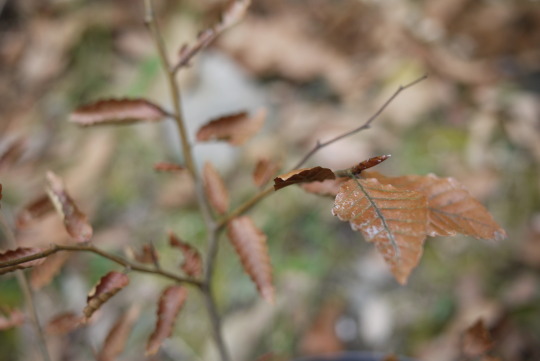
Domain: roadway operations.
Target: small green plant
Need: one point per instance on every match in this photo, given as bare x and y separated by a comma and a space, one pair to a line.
397, 214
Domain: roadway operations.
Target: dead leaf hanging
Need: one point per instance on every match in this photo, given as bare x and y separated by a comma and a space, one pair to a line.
44, 273
117, 111
147, 254
235, 128
34, 210
394, 219
192, 264
75, 221
18, 253
215, 189
170, 303
263, 172
116, 338
168, 167
476, 341
303, 175
451, 207
250, 244
64, 323
108, 286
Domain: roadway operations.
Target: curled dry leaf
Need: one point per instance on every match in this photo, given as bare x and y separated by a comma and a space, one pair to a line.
250, 244
235, 128
108, 286
215, 189
170, 303
64, 323
21, 252
394, 219
451, 208
167, 167
264, 170
476, 341
34, 210
371, 162
192, 264
116, 338
147, 254
75, 221
117, 111
14, 319
44, 273
303, 175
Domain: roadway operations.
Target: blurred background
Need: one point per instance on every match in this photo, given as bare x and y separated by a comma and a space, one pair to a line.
321, 67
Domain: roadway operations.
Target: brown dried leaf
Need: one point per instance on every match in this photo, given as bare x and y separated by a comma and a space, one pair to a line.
250, 244
147, 254
170, 303
107, 287
43, 274
167, 167
303, 175
394, 219
477, 340
75, 221
117, 111
11, 255
451, 208
370, 163
34, 210
192, 264
234, 14
215, 189
235, 128
0, 191
328, 187
14, 319
64, 323
264, 170
116, 338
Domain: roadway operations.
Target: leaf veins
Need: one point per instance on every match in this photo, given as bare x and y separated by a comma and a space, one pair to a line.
108, 286
170, 303
117, 111
394, 219
250, 244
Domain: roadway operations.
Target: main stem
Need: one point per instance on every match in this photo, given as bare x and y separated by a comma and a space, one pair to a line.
202, 202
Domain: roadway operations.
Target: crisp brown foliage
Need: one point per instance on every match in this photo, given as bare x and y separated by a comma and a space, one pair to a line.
170, 303
451, 208
250, 244
116, 338
215, 188
117, 111
476, 340
394, 219
108, 286
75, 221
168, 167
44, 273
64, 323
263, 172
303, 175
147, 254
235, 128
20, 253
192, 264
34, 210
370, 163
14, 319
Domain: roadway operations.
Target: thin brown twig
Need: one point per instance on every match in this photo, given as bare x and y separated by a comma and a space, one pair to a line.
247, 205
119, 260
27, 291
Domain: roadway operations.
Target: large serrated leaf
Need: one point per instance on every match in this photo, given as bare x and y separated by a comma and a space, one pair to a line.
451, 208
250, 244
394, 219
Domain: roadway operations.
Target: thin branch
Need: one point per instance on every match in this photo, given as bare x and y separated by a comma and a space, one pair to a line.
27, 291
318, 146
244, 207
215, 320
119, 260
